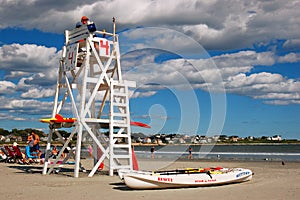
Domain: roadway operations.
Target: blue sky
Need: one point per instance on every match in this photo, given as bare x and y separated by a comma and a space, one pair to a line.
201, 67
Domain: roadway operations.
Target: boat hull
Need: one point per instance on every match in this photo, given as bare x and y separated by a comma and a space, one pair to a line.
148, 180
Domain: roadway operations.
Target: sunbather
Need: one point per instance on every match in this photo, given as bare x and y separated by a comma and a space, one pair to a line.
54, 152
3, 156
9, 158
16, 154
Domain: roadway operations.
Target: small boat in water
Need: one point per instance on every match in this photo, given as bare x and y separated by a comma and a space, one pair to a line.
190, 177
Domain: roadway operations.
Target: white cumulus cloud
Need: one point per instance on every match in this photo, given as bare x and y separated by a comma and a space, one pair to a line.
7, 87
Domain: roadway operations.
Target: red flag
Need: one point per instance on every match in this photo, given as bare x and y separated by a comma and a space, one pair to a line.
135, 165
139, 124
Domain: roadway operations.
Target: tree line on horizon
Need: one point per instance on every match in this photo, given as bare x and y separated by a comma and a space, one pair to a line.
23, 133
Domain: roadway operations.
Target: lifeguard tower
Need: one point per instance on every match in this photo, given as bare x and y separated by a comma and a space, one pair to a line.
91, 87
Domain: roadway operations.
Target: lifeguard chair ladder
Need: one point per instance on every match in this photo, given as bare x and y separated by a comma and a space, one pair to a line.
120, 141
90, 84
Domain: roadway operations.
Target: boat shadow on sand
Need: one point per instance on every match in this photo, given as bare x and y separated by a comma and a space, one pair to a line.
122, 187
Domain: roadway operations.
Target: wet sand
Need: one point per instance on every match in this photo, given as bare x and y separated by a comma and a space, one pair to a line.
271, 180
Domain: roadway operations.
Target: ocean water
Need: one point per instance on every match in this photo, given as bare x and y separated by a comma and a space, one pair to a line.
245, 152
272, 152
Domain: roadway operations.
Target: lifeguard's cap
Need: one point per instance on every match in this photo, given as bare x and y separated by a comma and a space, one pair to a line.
84, 18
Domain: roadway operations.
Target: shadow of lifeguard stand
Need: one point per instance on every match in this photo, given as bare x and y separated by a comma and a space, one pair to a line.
90, 84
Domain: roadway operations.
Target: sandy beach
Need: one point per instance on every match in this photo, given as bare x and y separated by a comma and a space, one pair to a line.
271, 180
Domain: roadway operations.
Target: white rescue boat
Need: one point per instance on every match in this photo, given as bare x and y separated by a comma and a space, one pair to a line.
189, 177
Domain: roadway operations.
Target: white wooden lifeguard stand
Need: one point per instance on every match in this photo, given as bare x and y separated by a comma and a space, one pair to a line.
90, 84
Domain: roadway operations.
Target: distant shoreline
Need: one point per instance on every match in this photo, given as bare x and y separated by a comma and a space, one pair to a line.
21, 144
232, 144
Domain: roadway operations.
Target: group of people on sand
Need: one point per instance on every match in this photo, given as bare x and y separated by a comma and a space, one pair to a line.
32, 152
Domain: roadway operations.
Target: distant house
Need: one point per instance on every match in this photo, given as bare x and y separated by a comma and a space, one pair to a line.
159, 141
147, 140
44, 139
181, 141
202, 141
139, 139
250, 138
223, 138
19, 138
2, 138
234, 138
195, 140
186, 137
215, 138
276, 138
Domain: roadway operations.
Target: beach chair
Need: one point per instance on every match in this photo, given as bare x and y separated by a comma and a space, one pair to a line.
16, 156
11, 154
21, 157
8, 158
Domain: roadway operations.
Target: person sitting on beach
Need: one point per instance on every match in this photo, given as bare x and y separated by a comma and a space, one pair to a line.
67, 149
32, 157
19, 156
2, 155
54, 152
